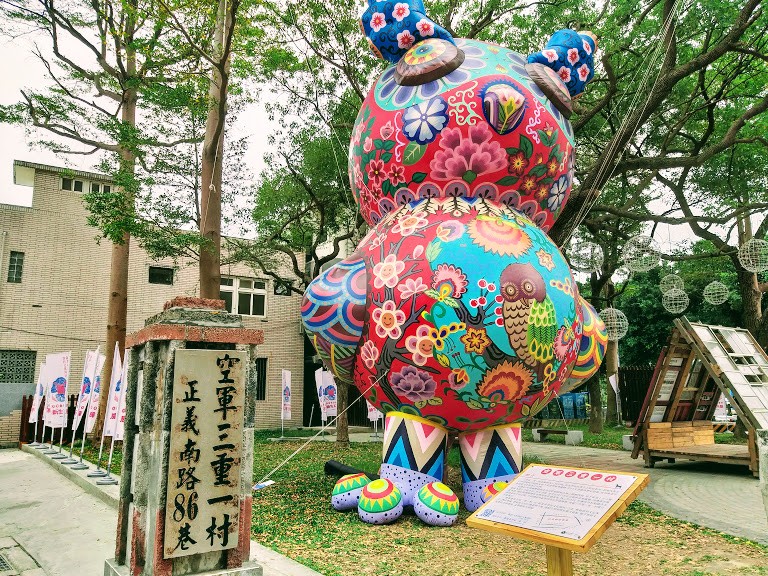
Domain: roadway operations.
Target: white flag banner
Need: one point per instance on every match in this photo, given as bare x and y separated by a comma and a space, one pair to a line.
120, 430
286, 381
92, 411
614, 380
115, 388
320, 397
329, 391
47, 396
39, 395
89, 366
57, 370
373, 413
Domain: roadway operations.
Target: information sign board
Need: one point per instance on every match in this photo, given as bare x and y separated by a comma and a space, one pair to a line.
560, 506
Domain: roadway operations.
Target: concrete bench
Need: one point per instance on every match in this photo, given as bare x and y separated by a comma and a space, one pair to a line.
572, 437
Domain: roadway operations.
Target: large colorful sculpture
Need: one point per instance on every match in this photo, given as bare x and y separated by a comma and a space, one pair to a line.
456, 313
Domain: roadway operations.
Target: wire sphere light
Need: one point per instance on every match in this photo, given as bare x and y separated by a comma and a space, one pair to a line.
675, 301
753, 255
585, 256
670, 282
616, 323
641, 253
716, 293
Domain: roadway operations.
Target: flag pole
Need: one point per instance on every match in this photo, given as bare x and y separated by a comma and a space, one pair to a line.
79, 464
98, 472
49, 449
71, 460
108, 478
42, 445
34, 437
60, 456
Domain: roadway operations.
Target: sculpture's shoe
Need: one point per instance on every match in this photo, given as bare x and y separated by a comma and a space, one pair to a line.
347, 491
414, 453
380, 502
488, 456
436, 504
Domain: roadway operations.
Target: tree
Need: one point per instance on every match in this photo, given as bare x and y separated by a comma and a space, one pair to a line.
98, 58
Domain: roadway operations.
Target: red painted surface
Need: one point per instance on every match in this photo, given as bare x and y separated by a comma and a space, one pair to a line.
194, 334
191, 302
236, 556
138, 544
160, 566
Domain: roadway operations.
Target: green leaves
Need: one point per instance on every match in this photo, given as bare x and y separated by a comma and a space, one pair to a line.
433, 250
526, 146
413, 153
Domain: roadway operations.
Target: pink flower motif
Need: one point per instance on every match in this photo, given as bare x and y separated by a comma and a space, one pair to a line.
583, 71
418, 251
564, 342
368, 144
389, 320
414, 384
378, 21
375, 172
420, 345
369, 353
564, 73
386, 131
425, 27
411, 287
573, 55
401, 11
451, 276
405, 39
450, 230
387, 273
409, 223
550, 55
397, 174
586, 46
469, 156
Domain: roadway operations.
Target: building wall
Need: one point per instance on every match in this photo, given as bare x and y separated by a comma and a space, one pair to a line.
61, 302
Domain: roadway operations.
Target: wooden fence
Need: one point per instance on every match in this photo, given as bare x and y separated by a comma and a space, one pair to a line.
27, 430
633, 386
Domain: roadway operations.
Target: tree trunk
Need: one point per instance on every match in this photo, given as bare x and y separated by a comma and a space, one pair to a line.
751, 303
595, 405
117, 311
213, 157
612, 415
342, 422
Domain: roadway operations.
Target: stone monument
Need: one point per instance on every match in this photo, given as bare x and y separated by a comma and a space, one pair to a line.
185, 499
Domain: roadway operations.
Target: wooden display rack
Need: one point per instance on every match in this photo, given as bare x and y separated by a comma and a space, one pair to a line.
700, 363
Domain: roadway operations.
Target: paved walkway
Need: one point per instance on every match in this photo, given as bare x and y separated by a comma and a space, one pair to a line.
719, 496
68, 525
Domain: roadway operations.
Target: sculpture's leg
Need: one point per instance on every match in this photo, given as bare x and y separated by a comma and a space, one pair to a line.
414, 453
488, 456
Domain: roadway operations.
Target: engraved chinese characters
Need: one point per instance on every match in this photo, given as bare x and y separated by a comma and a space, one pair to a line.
202, 505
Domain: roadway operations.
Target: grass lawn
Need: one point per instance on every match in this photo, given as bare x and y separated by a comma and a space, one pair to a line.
294, 517
610, 437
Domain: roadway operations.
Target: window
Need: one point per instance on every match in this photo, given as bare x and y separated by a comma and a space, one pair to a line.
96, 188
15, 266
160, 275
72, 184
17, 366
261, 378
245, 296
282, 288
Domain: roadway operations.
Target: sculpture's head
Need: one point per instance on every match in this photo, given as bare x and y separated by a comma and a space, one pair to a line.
465, 118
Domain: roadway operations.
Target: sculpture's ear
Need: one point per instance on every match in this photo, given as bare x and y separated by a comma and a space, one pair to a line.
570, 56
392, 28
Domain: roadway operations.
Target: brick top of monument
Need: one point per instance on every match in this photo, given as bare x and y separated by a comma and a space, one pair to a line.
195, 320
192, 302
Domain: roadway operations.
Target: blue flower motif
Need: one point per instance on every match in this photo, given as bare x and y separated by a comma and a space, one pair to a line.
557, 193
422, 122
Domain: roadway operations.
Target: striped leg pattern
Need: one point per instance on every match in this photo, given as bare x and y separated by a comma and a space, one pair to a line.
488, 456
